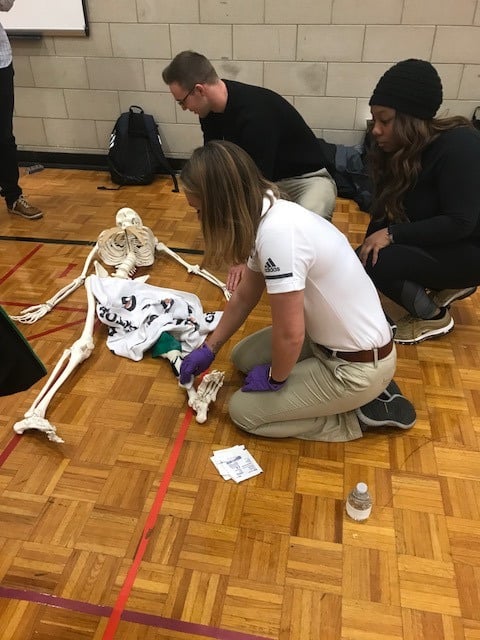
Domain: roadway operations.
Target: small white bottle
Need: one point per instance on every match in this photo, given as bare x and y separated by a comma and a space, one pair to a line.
359, 502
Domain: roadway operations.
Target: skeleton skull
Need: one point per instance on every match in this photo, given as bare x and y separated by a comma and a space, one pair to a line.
127, 217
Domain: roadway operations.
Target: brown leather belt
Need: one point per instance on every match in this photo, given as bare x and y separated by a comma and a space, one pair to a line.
362, 356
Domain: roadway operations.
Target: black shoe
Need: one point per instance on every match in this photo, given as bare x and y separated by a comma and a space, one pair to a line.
396, 411
392, 390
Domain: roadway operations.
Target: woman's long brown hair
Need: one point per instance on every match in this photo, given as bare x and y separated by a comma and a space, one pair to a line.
394, 173
230, 189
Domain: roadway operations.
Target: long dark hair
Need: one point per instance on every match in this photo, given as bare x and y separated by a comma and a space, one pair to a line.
394, 173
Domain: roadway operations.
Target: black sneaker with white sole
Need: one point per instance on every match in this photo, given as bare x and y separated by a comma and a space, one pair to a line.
395, 411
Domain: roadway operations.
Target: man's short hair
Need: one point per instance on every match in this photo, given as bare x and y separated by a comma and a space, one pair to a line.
189, 68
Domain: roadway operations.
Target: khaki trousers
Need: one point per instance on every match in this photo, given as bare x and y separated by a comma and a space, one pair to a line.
318, 400
315, 191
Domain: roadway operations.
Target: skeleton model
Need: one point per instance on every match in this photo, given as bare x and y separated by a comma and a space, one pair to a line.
127, 246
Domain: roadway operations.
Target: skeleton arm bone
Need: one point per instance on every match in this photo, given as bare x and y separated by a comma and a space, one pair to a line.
126, 246
34, 313
194, 268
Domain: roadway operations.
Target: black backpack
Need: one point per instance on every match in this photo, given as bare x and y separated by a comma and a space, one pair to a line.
135, 151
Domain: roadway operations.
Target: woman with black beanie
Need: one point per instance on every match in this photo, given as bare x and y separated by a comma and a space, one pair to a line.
422, 246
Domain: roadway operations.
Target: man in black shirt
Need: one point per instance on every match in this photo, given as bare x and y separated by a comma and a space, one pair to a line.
260, 121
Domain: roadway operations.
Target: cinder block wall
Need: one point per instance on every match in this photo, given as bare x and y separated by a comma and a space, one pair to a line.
325, 56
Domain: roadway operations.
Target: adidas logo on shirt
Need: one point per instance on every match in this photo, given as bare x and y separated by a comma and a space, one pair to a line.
270, 266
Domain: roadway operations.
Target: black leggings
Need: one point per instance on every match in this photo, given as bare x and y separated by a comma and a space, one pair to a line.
401, 269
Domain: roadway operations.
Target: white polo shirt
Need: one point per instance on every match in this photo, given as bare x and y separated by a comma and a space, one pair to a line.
296, 250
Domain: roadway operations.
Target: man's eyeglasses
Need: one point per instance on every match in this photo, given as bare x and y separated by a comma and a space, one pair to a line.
181, 103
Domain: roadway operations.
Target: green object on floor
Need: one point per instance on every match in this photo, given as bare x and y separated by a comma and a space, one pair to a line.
164, 344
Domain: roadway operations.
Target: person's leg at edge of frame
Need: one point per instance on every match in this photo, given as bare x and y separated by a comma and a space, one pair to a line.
427, 307
9, 173
8, 167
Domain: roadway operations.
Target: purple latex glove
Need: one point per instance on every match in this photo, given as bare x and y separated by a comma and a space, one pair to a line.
196, 362
258, 379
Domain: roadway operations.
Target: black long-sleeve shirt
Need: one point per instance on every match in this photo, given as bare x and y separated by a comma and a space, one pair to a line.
269, 129
443, 206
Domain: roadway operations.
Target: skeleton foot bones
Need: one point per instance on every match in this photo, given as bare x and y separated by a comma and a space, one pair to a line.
126, 247
206, 393
200, 399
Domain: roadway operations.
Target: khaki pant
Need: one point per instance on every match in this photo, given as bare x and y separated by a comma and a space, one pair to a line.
315, 191
318, 400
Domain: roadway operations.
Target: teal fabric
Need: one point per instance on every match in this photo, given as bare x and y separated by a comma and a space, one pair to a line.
164, 344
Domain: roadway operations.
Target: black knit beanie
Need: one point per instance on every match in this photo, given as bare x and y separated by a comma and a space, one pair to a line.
410, 86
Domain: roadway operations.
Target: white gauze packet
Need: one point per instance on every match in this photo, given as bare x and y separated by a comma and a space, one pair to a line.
235, 463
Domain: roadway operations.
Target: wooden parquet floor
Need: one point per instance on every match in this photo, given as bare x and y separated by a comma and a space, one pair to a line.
127, 531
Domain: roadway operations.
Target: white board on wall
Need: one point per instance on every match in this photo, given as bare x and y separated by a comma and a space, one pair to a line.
52, 17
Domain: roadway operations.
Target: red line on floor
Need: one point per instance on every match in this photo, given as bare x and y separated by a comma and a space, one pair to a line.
20, 263
67, 270
119, 607
119, 612
124, 594
9, 448
55, 329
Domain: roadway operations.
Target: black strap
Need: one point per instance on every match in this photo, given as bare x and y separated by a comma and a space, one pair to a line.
152, 130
